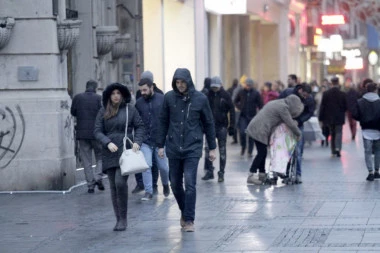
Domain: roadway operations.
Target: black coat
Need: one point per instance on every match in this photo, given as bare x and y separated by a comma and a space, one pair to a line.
221, 105
184, 119
333, 107
248, 102
149, 111
85, 107
113, 129
309, 104
367, 113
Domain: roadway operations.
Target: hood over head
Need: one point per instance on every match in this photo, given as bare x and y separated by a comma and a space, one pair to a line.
116, 86
183, 74
295, 105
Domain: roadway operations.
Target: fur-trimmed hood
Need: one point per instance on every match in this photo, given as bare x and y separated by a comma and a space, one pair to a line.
113, 86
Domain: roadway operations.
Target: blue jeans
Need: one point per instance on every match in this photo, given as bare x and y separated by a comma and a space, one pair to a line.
371, 147
151, 153
184, 169
299, 148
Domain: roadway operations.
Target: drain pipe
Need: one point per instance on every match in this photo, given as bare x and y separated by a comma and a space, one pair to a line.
59, 192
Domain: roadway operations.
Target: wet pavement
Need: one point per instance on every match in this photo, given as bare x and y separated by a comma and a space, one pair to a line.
334, 210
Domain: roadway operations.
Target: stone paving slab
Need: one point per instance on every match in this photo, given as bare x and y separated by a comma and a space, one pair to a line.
334, 210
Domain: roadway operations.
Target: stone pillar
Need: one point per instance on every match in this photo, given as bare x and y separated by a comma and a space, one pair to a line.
283, 43
245, 47
36, 129
216, 45
201, 43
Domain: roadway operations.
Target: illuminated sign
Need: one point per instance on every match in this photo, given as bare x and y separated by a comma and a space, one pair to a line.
226, 6
354, 63
333, 20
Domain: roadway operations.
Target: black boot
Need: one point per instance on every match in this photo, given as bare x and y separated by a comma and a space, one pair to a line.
122, 206
220, 177
209, 175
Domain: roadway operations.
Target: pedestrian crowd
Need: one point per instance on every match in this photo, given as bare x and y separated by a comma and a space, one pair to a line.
171, 129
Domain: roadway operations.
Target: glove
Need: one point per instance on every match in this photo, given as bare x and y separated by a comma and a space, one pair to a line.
231, 131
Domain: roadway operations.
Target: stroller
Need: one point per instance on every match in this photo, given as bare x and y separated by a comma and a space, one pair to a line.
283, 151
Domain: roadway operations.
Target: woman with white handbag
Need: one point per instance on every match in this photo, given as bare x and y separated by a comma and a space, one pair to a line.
110, 130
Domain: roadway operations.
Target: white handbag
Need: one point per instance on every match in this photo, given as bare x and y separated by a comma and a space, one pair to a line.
131, 162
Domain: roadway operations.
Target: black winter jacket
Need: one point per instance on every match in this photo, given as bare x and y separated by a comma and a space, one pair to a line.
113, 129
367, 112
85, 107
333, 107
248, 101
149, 111
309, 104
184, 119
221, 104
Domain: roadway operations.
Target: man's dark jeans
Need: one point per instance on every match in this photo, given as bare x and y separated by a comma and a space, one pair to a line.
243, 124
184, 170
221, 136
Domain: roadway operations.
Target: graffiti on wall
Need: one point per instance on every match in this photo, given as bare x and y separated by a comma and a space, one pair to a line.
12, 133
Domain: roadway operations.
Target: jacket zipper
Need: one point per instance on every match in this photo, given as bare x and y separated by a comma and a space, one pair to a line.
188, 110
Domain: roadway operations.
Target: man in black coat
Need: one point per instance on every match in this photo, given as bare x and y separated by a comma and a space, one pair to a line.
139, 179
332, 114
185, 117
304, 92
223, 111
248, 101
85, 107
149, 106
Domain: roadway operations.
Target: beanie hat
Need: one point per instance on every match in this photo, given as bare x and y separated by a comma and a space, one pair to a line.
147, 74
249, 82
216, 82
145, 81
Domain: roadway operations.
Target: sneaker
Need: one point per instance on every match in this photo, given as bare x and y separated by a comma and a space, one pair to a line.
189, 226
100, 185
182, 222
137, 189
250, 155
147, 197
253, 178
337, 153
242, 152
220, 177
370, 177
208, 176
377, 175
90, 190
262, 176
166, 190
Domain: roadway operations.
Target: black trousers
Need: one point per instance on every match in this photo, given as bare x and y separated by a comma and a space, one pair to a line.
259, 161
221, 136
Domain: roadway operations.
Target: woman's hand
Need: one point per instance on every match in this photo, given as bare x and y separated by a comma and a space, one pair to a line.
135, 147
161, 153
112, 147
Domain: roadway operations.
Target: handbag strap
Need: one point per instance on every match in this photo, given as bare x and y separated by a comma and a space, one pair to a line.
126, 130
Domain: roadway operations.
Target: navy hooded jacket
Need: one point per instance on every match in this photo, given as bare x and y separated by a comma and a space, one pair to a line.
184, 119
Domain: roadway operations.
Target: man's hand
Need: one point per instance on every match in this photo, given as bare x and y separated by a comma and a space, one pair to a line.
212, 155
161, 153
112, 147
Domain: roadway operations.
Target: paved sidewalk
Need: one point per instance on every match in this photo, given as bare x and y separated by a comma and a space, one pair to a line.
334, 210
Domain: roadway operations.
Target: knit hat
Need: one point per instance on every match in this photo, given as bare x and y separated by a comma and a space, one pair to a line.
242, 79
216, 82
147, 74
249, 82
144, 81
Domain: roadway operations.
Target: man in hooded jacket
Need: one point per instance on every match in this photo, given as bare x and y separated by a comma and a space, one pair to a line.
185, 116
